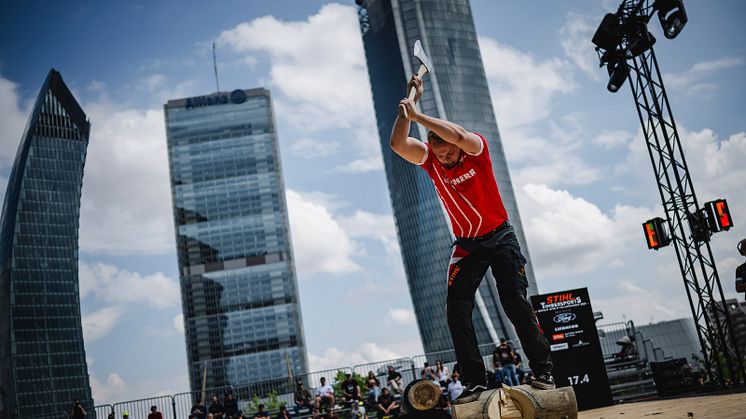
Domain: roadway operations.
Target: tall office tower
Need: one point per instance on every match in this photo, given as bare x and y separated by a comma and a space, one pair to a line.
42, 357
456, 90
239, 291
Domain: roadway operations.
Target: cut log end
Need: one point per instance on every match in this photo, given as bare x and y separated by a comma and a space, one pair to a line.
423, 395
521, 402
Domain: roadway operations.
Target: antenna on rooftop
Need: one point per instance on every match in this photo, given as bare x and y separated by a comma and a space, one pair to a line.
215, 65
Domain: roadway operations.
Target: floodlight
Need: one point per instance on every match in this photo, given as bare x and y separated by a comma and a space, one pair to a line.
609, 33
672, 16
640, 40
618, 72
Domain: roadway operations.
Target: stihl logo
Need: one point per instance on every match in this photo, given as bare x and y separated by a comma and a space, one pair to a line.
559, 298
558, 336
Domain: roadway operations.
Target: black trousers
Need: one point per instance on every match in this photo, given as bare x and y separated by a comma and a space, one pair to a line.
499, 251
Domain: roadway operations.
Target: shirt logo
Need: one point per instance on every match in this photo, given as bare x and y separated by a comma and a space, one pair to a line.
468, 175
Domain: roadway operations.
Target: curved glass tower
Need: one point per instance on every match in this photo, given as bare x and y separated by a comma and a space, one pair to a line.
42, 357
242, 316
456, 90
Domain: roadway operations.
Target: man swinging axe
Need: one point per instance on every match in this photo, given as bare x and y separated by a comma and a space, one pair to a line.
458, 162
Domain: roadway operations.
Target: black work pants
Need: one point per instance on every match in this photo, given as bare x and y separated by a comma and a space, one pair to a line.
470, 259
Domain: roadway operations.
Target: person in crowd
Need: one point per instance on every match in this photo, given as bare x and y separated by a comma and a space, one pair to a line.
455, 387
303, 398
154, 413
324, 395
358, 411
373, 393
427, 373
393, 379
198, 410
125, 415
283, 413
741, 269
442, 373
231, 406
519, 372
261, 413
372, 376
497, 367
316, 413
350, 390
216, 410
506, 357
112, 415
78, 411
386, 405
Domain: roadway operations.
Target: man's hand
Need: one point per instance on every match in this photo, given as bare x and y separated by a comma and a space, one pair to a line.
408, 104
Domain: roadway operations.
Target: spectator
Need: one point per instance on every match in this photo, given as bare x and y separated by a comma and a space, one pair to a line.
394, 381
316, 413
78, 411
350, 390
519, 369
154, 413
442, 373
283, 413
386, 405
358, 411
198, 410
741, 269
125, 414
372, 375
261, 413
373, 392
324, 395
303, 398
231, 406
497, 367
506, 357
455, 387
112, 415
427, 373
216, 410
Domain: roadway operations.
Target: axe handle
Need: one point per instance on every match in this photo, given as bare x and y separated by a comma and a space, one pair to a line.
402, 110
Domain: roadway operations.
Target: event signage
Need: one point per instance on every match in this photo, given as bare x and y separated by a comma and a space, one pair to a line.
566, 320
237, 96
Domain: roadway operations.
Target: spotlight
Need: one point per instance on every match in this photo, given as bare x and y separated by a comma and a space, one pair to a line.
618, 71
609, 33
640, 40
672, 15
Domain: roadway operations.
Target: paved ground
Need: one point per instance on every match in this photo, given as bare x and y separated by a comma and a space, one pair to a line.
722, 407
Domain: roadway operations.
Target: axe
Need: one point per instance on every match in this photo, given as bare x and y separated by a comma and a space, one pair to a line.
425, 66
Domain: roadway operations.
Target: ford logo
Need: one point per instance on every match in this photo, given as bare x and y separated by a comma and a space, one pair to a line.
564, 318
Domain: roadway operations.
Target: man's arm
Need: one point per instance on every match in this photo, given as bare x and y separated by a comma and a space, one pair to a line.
410, 149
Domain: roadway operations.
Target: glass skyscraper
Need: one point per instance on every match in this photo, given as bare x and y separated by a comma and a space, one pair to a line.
239, 291
42, 357
456, 90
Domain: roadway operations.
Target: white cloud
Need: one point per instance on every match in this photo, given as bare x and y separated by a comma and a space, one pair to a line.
367, 225
362, 165
12, 122
522, 87
317, 64
126, 197
179, 323
110, 391
111, 284
320, 244
100, 322
335, 358
402, 316
699, 80
575, 38
613, 139
310, 148
562, 227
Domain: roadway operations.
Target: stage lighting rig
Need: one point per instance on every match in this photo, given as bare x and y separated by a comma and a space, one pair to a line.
625, 46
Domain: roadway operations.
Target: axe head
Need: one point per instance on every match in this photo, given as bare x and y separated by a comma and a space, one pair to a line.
419, 52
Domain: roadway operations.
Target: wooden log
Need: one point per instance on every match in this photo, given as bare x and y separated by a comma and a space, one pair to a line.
422, 395
521, 402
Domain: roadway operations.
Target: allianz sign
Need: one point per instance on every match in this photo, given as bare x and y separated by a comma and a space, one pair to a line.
237, 96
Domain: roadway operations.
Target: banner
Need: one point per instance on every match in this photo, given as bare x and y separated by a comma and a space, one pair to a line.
566, 320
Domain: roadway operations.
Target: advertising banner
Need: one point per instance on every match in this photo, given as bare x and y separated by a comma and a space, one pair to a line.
566, 319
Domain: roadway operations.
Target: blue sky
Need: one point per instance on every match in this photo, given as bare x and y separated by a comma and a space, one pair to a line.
579, 165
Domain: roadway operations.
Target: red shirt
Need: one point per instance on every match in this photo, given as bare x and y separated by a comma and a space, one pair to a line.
468, 191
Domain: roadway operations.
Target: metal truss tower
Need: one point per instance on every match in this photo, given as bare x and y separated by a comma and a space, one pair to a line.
632, 59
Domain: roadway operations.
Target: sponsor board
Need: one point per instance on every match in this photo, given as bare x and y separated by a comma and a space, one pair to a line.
566, 320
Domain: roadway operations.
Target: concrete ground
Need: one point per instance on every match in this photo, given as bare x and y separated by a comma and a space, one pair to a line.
725, 406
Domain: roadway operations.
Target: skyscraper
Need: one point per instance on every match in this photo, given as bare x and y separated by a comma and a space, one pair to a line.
456, 90
239, 291
42, 357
